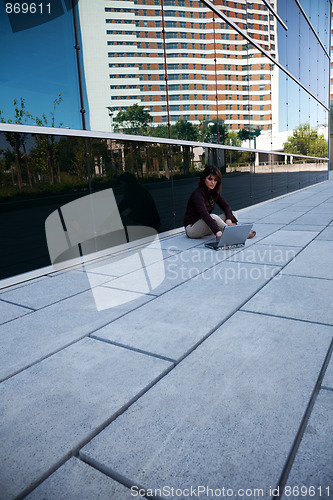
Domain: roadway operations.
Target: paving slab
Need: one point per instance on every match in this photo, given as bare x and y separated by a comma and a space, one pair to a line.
258, 212
178, 243
10, 311
77, 480
52, 407
312, 473
285, 237
297, 210
311, 199
295, 297
38, 294
125, 263
315, 261
275, 255
19, 285
326, 234
173, 324
30, 338
178, 267
323, 208
312, 218
263, 230
299, 227
280, 217
226, 416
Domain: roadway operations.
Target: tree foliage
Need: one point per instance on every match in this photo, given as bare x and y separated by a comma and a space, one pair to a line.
210, 132
306, 141
245, 134
133, 120
42, 159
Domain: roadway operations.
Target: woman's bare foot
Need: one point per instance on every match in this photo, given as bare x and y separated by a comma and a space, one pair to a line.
251, 235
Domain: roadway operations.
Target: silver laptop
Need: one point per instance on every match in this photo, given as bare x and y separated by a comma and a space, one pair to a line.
232, 237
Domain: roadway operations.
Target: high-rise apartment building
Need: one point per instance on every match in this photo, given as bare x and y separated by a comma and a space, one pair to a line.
180, 61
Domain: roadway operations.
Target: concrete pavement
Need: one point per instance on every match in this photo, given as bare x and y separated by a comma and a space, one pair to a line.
215, 382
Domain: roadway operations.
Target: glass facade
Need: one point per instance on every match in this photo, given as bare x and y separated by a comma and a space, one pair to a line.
243, 85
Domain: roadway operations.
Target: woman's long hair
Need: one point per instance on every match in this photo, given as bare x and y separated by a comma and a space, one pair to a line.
211, 171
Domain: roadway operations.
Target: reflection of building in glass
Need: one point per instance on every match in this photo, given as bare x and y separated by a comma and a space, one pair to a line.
212, 71
331, 99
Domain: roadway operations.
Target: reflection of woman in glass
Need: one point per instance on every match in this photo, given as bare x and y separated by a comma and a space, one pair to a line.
199, 220
137, 206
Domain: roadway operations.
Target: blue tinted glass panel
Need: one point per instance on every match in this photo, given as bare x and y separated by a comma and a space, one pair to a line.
293, 111
283, 103
305, 115
293, 39
318, 14
37, 65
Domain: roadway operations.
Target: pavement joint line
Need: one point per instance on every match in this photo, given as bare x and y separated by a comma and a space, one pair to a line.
75, 451
49, 305
325, 388
149, 294
43, 358
18, 305
299, 435
131, 348
308, 277
286, 317
284, 208
103, 469
17, 317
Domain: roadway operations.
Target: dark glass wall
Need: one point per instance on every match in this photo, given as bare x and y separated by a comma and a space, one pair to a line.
56, 170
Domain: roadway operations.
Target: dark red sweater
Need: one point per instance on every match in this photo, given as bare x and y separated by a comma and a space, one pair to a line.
201, 204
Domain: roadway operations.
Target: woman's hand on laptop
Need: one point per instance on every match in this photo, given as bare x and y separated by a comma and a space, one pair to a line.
218, 235
229, 222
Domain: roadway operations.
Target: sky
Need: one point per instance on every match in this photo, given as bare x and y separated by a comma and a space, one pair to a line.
38, 64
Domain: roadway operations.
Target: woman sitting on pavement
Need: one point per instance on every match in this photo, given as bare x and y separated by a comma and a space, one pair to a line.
199, 220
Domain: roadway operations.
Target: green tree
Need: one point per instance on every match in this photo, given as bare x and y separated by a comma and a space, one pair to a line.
159, 131
185, 131
245, 134
306, 141
133, 120
233, 156
18, 141
46, 146
211, 133
233, 139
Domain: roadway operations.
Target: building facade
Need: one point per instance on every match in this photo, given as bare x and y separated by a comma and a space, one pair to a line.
180, 59
244, 64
